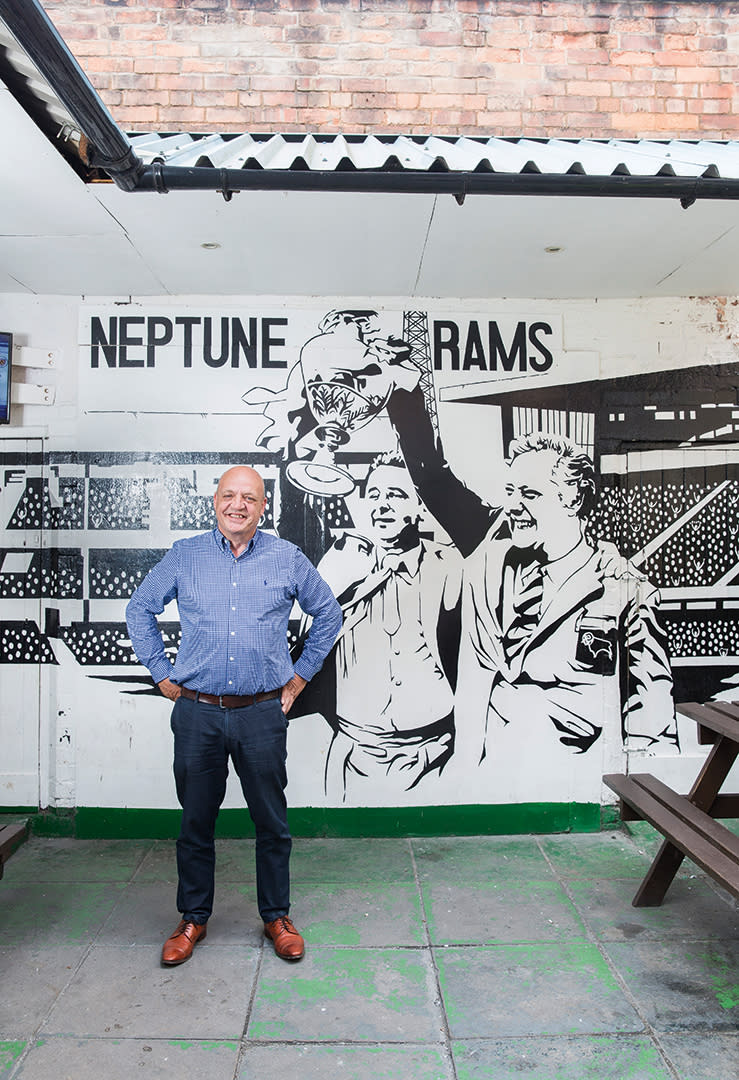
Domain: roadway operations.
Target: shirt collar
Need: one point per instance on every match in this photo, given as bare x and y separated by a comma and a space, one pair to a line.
404, 561
225, 544
560, 570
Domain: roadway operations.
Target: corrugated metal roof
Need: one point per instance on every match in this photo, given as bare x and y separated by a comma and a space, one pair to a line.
17, 64
433, 153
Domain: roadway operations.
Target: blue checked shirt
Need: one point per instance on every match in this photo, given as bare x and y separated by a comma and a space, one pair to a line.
233, 614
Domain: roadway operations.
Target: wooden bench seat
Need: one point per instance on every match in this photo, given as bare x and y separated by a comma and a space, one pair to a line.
693, 831
688, 821
11, 838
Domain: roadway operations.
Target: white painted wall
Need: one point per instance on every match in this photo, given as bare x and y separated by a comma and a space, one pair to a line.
101, 747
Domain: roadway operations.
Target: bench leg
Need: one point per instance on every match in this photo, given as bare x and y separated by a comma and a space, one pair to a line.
666, 864
703, 794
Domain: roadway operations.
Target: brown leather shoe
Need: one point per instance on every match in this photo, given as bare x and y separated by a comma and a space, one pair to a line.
288, 943
178, 947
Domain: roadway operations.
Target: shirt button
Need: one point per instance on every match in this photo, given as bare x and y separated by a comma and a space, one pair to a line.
230, 682
230, 657
233, 609
233, 632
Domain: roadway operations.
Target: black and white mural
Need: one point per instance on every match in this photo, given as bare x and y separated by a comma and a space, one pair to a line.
536, 553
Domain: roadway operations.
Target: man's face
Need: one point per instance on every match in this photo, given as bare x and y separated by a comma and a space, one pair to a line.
540, 508
394, 506
239, 503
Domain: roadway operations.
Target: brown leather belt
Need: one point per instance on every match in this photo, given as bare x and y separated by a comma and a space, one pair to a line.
230, 701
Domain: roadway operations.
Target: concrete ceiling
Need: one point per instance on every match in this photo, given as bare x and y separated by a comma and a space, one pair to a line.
59, 235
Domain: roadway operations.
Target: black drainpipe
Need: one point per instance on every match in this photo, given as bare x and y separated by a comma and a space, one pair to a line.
108, 148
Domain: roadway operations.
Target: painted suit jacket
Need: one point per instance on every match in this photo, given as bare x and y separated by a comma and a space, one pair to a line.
349, 568
597, 653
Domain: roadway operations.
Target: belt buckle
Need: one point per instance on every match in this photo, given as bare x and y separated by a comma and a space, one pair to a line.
220, 701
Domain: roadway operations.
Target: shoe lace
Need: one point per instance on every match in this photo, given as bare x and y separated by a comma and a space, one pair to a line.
182, 928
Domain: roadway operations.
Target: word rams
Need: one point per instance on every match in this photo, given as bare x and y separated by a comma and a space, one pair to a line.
131, 341
487, 349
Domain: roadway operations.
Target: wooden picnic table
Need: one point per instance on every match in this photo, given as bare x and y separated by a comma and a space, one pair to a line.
688, 821
11, 837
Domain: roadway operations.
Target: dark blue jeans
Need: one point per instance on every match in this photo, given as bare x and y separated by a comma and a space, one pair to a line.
255, 739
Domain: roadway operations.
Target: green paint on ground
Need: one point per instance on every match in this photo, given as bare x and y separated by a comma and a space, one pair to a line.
347, 973
536, 965
263, 1030
9, 1054
74, 917
587, 1058
727, 991
330, 933
378, 977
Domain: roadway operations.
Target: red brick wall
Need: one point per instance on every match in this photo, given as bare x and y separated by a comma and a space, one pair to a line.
489, 67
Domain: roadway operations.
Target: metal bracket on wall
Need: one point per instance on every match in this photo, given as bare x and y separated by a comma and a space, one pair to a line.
46, 359
30, 394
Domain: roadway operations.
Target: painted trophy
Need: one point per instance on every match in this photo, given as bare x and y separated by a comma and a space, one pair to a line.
347, 376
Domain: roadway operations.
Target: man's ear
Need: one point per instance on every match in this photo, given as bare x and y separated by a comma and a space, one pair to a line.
571, 497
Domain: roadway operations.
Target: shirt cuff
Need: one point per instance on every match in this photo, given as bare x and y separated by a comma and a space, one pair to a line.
161, 670
305, 671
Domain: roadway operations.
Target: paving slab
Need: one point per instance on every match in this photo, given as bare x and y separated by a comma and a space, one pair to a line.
547, 972
377, 995
691, 909
61, 1058
682, 985
234, 861
585, 1057
707, 1056
595, 855
367, 915
125, 993
351, 861
47, 913
32, 980
539, 989
146, 915
10, 1051
159, 863
468, 859
309, 1061
66, 859
500, 911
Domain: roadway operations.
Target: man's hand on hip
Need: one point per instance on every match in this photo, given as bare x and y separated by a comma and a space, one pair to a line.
169, 689
290, 691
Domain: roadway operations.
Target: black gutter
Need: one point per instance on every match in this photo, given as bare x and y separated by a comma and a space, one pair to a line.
165, 178
110, 150
108, 147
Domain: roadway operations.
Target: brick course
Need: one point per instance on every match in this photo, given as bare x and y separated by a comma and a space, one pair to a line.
602, 68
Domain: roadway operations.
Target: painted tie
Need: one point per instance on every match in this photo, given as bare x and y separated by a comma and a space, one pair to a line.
526, 608
391, 606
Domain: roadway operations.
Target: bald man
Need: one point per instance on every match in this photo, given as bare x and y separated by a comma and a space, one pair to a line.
232, 684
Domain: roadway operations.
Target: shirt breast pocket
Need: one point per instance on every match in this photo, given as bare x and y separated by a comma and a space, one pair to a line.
274, 597
597, 644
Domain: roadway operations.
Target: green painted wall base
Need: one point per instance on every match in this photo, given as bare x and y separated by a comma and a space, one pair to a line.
118, 823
